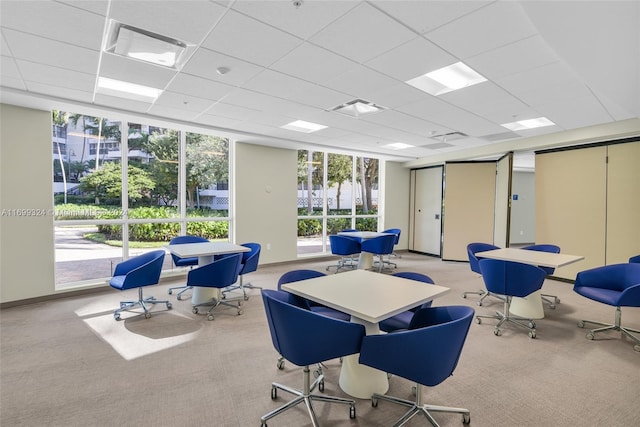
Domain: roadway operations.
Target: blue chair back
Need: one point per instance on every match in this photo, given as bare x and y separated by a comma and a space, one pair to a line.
395, 231
615, 284
296, 276
250, 259
545, 248
472, 249
419, 277
220, 273
511, 278
304, 337
182, 262
427, 354
635, 259
342, 245
142, 270
381, 245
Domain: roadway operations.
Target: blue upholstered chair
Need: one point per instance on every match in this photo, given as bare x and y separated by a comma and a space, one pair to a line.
347, 249
138, 272
249, 264
307, 338
396, 232
635, 259
403, 320
219, 274
511, 279
472, 249
380, 246
427, 354
617, 285
184, 262
552, 300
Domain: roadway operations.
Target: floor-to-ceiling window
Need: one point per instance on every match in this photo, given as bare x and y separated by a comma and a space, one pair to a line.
335, 192
123, 188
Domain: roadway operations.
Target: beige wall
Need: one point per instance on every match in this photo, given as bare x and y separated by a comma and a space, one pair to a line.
265, 200
26, 167
396, 201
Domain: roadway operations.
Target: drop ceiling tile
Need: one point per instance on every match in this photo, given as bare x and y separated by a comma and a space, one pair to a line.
55, 21
218, 121
242, 37
187, 21
396, 95
231, 112
424, 16
360, 82
12, 82
122, 103
205, 62
61, 92
293, 89
45, 74
400, 121
197, 86
51, 52
8, 68
485, 29
303, 21
516, 57
175, 113
313, 64
264, 102
132, 71
99, 7
346, 36
411, 59
180, 100
577, 112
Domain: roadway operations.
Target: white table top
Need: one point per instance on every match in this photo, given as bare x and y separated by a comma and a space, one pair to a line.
366, 295
544, 259
363, 235
187, 250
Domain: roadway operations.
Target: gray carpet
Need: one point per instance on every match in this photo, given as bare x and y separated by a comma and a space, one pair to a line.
67, 362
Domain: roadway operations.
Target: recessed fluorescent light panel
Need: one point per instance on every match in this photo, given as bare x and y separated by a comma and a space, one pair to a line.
136, 43
127, 90
528, 124
398, 146
447, 79
357, 108
302, 126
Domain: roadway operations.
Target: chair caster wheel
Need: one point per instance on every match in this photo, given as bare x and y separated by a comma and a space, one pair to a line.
210, 317
147, 315
116, 316
194, 310
479, 303
590, 336
636, 347
466, 419
497, 332
169, 306
170, 292
374, 402
321, 386
532, 334
240, 312
352, 412
478, 320
532, 324
552, 306
581, 324
179, 297
280, 364
274, 393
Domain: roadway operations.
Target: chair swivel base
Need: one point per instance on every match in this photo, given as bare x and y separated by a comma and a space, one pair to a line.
418, 407
215, 303
306, 396
504, 318
552, 300
242, 287
142, 302
483, 294
345, 263
612, 327
179, 294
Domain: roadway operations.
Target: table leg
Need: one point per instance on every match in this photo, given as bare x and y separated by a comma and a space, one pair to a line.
529, 307
203, 295
359, 380
365, 261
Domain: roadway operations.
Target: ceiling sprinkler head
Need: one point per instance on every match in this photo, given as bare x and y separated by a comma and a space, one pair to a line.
297, 3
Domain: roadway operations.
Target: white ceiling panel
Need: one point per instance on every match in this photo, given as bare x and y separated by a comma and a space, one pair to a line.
362, 34
242, 37
576, 63
51, 52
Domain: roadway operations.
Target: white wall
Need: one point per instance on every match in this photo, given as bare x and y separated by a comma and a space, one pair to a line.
523, 210
27, 262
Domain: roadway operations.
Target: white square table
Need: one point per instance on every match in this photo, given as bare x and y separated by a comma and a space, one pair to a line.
365, 260
530, 307
205, 251
368, 297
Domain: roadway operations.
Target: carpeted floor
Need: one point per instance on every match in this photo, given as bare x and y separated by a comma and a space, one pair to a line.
67, 362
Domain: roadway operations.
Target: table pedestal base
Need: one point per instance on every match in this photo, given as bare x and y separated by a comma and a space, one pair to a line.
361, 381
529, 307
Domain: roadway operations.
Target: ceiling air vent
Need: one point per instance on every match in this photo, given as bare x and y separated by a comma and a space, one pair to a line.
451, 136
